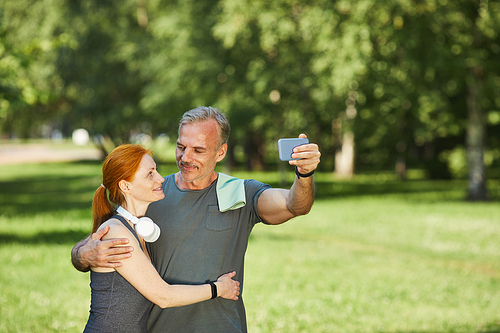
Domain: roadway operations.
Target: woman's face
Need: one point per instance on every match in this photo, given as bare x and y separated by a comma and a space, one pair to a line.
146, 185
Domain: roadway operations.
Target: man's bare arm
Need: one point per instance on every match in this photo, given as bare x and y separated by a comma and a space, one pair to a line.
277, 205
96, 253
75, 258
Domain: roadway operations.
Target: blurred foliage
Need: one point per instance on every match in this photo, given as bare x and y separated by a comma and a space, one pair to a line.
397, 75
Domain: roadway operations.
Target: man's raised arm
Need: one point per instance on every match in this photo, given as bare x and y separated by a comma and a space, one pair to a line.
92, 252
276, 206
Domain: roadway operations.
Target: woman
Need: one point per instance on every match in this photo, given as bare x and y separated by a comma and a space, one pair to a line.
122, 297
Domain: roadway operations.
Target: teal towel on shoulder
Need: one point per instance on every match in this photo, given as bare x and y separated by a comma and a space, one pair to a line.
230, 192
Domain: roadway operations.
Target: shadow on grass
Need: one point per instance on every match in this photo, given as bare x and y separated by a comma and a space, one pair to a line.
41, 191
33, 195
59, 188
497, 330
444, 190
53, 237
489, 328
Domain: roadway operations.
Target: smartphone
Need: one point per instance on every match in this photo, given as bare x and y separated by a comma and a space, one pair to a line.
285, 147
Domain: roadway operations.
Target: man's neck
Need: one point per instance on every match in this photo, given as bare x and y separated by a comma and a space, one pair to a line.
198, 184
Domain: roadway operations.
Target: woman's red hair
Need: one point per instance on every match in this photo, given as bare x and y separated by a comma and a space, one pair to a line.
121, 164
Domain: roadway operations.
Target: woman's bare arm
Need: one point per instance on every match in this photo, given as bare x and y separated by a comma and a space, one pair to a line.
139, 271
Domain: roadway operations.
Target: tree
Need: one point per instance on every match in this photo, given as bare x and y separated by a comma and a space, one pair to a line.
411, 83
30, 89
422, 79
102, 70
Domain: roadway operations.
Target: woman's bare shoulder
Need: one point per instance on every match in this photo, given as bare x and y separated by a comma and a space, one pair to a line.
117, 230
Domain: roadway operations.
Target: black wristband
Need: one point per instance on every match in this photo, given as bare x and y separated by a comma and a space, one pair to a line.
303, 175
214, 289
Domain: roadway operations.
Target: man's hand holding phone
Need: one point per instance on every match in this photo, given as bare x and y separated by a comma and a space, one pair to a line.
286, 146
299, 152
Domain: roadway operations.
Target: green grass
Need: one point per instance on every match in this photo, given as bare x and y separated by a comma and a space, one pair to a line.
377, 264
374, 255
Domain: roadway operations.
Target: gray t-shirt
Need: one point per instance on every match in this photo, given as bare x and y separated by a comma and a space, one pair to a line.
198, 244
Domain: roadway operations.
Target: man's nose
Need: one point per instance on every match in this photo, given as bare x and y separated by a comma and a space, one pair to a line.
186, 156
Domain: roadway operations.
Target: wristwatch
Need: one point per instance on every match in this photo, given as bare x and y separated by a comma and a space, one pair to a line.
300, 175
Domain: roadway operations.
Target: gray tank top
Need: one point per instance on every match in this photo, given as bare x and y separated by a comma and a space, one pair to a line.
116, 306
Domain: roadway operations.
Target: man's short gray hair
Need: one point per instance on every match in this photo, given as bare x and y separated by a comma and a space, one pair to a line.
202, 113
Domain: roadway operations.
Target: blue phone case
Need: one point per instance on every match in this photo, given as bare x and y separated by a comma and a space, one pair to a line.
285, 147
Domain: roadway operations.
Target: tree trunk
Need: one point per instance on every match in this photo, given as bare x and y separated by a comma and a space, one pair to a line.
476, 130
254, 150
344, 158
401, 167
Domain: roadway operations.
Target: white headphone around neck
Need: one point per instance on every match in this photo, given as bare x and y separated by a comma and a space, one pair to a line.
144, 226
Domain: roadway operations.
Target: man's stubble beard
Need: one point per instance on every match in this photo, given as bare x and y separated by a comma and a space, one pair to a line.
179, 165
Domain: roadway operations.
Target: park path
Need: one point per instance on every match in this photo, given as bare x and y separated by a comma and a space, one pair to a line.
13, 153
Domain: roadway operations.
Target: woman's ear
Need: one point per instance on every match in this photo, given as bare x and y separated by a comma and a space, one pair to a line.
124, 186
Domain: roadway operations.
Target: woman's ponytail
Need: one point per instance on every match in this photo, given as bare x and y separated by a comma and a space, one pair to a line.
101, 208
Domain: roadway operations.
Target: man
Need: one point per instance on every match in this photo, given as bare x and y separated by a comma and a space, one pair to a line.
199, 239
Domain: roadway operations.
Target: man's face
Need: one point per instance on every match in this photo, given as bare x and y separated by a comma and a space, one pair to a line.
198, 150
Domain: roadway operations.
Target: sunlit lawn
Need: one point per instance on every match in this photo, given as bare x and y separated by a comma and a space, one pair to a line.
374, 255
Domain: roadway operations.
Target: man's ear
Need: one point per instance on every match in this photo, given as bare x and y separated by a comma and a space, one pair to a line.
124, 186
221, 153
